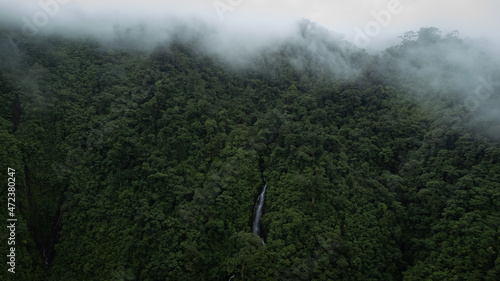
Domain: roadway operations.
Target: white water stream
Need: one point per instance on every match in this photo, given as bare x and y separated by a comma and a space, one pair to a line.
257, 210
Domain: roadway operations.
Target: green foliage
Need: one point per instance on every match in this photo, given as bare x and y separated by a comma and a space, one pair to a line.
146, 166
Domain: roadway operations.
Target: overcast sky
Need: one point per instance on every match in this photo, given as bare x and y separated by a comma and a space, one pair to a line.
480, 18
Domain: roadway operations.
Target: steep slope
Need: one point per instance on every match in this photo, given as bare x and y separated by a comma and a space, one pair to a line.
138, 165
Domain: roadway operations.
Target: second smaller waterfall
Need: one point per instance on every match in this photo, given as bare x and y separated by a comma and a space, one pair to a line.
257, 210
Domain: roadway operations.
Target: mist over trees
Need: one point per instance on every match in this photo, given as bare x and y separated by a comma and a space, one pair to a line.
142, 160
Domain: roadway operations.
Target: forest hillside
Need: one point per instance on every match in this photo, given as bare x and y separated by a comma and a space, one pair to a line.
137, 163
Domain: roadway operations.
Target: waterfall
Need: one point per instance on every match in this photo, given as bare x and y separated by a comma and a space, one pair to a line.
257, 210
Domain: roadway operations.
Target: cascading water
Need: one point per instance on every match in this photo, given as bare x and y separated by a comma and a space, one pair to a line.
257, 210
257, 214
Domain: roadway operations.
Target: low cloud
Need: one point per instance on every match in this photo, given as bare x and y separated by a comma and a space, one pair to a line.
453, 66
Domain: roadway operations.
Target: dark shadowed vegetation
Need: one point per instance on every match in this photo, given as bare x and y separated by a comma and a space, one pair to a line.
136, 165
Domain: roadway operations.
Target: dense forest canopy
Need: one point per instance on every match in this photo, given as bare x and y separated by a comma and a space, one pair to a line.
144, 163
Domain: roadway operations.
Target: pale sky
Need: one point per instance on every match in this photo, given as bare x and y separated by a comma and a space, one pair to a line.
480, 18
